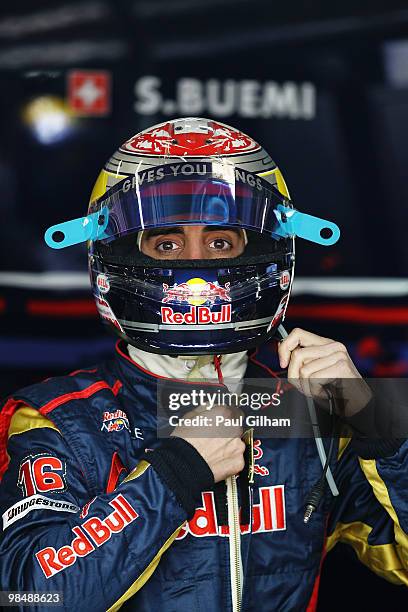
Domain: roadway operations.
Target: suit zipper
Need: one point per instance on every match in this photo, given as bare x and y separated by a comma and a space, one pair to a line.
234, 544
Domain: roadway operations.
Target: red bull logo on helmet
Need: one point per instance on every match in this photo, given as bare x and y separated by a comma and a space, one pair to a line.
197, 315
196, 291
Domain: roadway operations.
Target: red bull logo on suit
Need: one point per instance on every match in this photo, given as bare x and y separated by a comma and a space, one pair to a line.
89, 536
115, 421
268, 515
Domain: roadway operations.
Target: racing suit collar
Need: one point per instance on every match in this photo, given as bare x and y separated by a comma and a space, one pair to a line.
183, 368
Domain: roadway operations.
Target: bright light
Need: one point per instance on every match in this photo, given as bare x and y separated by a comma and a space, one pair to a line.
49, 119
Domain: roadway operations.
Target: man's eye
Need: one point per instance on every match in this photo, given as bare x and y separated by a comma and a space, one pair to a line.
220, 244
167, 245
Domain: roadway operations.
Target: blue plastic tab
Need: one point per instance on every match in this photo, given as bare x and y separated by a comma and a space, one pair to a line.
294, 223
78, 230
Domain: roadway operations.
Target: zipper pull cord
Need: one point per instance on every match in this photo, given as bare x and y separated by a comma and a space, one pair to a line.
217, 366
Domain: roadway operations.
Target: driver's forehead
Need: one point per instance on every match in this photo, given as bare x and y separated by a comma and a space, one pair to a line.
188, 229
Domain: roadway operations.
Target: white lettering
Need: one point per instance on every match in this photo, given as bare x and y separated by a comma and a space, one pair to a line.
224, 98
190, 96
250, 98
148, 99
35, 502
219, 104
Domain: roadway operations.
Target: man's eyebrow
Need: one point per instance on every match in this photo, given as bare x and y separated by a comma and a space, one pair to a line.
226, 228
162, 231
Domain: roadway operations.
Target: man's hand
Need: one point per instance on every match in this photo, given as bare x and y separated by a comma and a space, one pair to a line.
220, 446
314, 362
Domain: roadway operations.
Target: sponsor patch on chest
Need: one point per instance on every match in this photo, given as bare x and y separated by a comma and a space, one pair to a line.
268, 515
115, 421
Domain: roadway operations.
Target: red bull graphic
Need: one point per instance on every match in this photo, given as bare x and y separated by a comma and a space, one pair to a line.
92, 534
115, 421
261, 470
196, 291
268, 515
197, 315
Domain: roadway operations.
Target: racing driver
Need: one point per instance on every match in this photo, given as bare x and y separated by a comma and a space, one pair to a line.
190, 234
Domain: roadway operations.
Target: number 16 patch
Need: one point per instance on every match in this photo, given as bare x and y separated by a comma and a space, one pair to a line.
41, 473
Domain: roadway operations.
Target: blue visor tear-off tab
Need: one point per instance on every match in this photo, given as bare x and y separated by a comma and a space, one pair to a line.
294, 223
79, 230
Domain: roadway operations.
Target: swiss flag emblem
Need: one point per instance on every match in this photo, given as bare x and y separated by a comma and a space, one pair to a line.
89, 92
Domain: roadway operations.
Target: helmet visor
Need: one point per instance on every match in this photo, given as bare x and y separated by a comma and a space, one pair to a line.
191, 193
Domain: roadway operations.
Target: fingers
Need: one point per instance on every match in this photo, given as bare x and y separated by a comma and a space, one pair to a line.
309, 356
232, 461
301, 356
315, 374
315, 367
313, 361
223, 455
298, 338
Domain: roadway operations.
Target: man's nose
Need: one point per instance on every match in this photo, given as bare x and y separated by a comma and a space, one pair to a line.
194, 249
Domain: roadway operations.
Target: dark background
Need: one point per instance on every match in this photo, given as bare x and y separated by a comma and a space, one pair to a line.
336, 123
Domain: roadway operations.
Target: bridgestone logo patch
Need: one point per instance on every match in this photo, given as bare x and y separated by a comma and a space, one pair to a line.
35, 502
